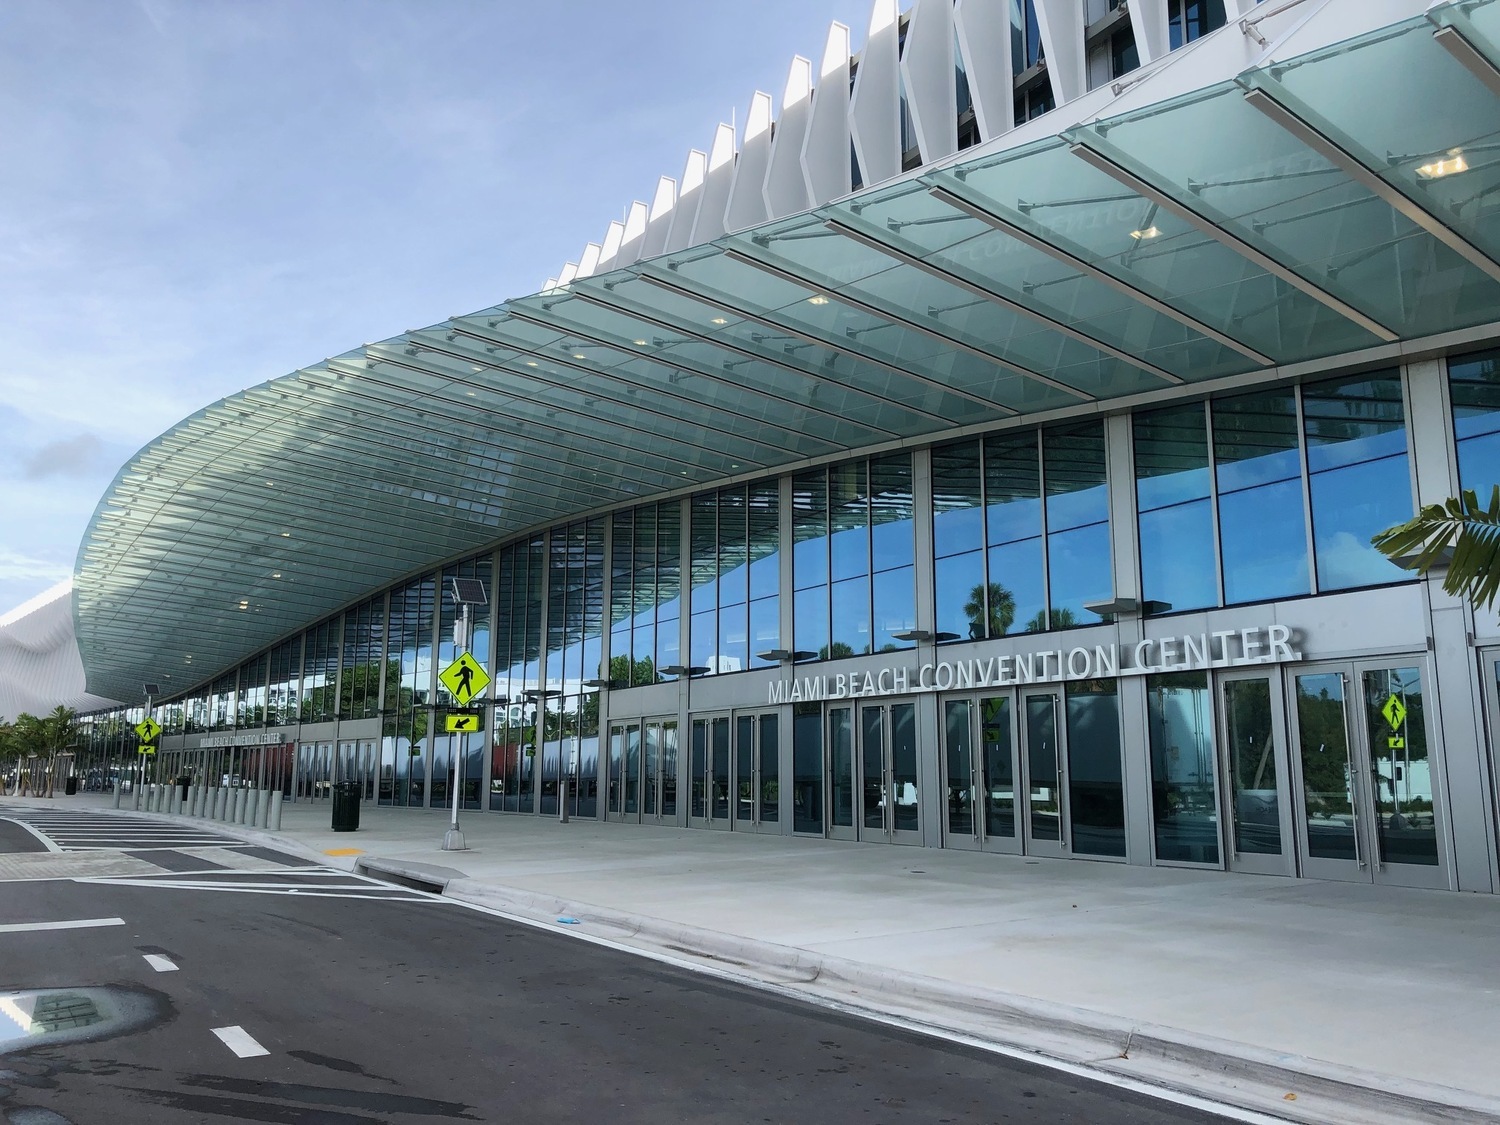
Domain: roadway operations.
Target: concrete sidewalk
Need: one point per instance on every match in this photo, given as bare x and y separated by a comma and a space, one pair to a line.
1311, 1001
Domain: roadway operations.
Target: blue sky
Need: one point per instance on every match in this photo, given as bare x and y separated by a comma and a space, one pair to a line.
198, 195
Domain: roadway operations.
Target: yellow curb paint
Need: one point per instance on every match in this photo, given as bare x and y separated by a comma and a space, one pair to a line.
345, 851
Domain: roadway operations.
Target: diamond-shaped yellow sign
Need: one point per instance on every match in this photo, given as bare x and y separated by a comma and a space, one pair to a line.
1394, 712
465, 678
462, 724
147, 729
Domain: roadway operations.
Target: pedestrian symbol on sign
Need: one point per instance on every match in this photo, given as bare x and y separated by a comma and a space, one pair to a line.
465, 679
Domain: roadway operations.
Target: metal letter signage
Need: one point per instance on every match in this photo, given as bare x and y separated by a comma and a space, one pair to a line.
1225, 648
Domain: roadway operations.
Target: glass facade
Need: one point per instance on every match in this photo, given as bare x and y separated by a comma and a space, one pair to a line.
735, 564
1474, 385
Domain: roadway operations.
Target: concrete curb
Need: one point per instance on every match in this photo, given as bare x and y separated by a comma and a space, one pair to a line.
1236, 1074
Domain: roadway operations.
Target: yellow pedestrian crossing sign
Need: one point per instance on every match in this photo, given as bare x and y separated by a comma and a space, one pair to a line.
462, 724
465, 679
147, 729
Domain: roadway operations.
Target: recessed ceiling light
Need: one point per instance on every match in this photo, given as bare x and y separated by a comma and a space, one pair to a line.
531, 363
276, 574
579, 355
1145, 232
640, 343
720, 320
1449, 165
286, 534
818, 300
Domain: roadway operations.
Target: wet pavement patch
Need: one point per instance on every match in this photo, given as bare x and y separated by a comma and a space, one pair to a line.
47, 1016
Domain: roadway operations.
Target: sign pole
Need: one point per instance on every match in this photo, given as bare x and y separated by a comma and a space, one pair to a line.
453, 839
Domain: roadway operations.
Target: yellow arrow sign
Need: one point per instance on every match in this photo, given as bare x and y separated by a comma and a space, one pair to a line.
148, 749
462, 723
147, 729
465, 678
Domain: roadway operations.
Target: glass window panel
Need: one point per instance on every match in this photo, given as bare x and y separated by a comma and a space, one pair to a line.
810, 620
1073, 466
1358, 476
851, 619
958, 582
1012, 488
892, 534
849, 520
1250, 734
810, 529
1096, 790
1401, 767
1078, 571
734, 652
1017, 596
1263, 540
734, 547
765, 539
1474, 382
704, 544
957, 515
807, 768
895, 610
1178, 566
1184, 802
765, 630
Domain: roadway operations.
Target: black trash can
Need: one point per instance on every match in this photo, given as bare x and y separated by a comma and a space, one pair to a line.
70, 787
184, 784
346, 806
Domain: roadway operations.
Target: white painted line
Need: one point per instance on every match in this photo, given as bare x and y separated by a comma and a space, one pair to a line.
48, 844
159, 963
238, 1040
76, 924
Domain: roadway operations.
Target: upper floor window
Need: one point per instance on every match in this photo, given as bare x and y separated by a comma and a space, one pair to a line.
1192, 19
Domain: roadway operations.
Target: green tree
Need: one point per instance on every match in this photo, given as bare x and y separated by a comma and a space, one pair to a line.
1062, 618
999, 617
1461, 532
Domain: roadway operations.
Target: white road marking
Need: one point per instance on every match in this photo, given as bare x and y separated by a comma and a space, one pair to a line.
238, 1040
159, 963
48, 844
75, 924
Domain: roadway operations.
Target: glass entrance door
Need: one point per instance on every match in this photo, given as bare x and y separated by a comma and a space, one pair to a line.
1366, 805
980, 762
623, 797
757, 773
1252, 722
708, 774
1043, 760
886, 789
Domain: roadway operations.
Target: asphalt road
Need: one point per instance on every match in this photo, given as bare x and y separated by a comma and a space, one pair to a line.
376, 1005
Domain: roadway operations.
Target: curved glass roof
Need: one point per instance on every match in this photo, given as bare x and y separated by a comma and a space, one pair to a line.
1312, 206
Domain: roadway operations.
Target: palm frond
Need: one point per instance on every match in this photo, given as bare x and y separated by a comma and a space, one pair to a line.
1461, 533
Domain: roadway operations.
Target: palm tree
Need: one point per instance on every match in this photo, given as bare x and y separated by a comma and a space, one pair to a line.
1000, 616
1461, 533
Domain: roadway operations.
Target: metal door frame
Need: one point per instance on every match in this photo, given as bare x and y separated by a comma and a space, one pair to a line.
1369, 867
980, 839
888, 833
709, 721
1286, 862
755, 720
1059, 848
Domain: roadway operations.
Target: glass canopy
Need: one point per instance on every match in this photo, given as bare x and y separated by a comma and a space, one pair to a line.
1312, 206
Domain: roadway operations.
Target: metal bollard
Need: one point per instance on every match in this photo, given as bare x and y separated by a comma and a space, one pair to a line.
276, 811
211, 803
200, 801
153, 798
221, 806
192, 800
236, 796
117, 792
252, 805
135, 794
265, 809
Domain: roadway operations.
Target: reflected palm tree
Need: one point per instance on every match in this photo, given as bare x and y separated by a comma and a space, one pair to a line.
1062, 618
997, 619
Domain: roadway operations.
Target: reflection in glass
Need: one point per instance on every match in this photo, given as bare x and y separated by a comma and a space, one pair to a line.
1096, 787
1358, 475
698, 770
1078, 557
841, 767
998, 780
807, 768
1474, 382
1262, 537
669, 770
1044, 797
1327, 782
1250, 734
651, 769
872, 767
959, 744
903, 785
744, 768
720, 784
1176, 521
632, 778
1015, 596
1183, 801
770, 769
1400, 766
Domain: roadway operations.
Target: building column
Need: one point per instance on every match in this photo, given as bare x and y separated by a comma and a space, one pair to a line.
1458, 697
